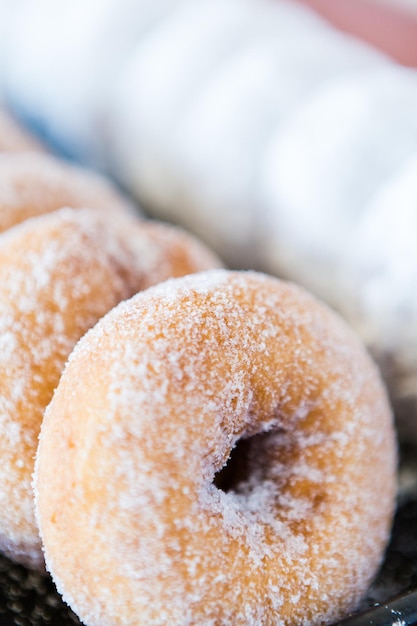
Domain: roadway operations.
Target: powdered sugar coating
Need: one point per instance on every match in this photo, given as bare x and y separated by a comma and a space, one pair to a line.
59, 273
138, 532
33, 184
163, 251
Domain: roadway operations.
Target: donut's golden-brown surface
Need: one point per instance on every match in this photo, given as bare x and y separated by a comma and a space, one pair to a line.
33, 184
164, 251
136, 527
13, 138
59, 273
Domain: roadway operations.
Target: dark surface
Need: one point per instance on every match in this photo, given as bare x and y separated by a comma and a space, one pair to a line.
28, 599
399, 612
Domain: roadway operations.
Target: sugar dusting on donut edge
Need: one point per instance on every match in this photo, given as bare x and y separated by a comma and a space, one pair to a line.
19, 307
41, 291
236, 514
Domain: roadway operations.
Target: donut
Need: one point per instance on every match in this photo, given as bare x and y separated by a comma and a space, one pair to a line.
219, 450
32, 184
13, 138
59, 273
166, 251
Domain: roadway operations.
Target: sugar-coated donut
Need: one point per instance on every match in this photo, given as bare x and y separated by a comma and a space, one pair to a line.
13, 138
33, 184
58, 274
165, 251
139, 524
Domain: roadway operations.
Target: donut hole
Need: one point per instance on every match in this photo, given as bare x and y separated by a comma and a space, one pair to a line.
236, 468
247, 463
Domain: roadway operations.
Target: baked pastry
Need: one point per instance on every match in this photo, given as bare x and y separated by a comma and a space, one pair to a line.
214, 450
59, 273
32, 184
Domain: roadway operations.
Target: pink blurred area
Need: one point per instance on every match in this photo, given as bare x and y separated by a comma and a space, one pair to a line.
387, 25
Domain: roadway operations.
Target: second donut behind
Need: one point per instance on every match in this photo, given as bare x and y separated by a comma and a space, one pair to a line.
59, 273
